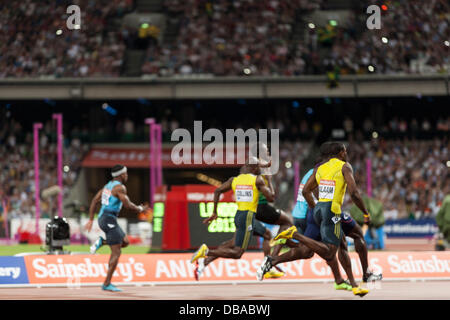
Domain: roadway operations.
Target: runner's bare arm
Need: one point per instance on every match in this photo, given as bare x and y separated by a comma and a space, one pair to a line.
95, 201
347, 171
270, 184
316, 193
266, 191
120, 192
310, 187
222, 189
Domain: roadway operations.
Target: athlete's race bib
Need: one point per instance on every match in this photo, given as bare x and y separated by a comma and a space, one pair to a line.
244, 193
300, 196
326, 189
106, 194
336, 219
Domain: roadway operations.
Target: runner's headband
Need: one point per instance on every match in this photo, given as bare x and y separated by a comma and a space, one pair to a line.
118, 173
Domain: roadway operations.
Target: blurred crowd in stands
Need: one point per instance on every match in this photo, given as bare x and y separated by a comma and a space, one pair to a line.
410, 173
414, 38
35, 40
17, 168
409, 177
229, 38
224, 38
242, 38
291, 129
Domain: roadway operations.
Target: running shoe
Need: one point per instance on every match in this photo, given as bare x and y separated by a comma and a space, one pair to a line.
286, 234
265, 266
199, 268
200, 253
111, 287
273, 274
343, 286
358, 291
96, 245
274, 242
370, 277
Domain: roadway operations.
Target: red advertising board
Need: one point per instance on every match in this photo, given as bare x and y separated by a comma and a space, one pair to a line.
176, 268
100, 157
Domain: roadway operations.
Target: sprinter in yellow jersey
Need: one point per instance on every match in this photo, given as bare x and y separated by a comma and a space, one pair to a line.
246, 188
259, 229
332, 178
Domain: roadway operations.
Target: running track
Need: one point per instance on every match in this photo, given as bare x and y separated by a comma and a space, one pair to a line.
267, 290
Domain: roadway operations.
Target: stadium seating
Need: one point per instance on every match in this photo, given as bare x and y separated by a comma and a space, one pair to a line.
226, 38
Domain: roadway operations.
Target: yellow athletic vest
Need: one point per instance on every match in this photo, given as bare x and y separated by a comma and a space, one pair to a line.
245, 192
331, 183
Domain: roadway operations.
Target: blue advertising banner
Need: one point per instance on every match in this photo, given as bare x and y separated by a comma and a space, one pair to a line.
410, 228
13, 271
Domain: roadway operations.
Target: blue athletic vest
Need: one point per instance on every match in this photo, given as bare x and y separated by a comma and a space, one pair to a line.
301, 207
110, 204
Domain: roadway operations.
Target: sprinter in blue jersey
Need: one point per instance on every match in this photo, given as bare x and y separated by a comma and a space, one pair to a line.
112, 196
301, 207
299, 214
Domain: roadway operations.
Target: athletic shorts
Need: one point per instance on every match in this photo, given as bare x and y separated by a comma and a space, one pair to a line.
267, 213
300, 224
244, 221
259, 229
312, 230
329, 222
347, 223
114, 233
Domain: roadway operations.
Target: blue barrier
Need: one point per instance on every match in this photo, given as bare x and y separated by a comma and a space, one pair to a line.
402, 228
13, 271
